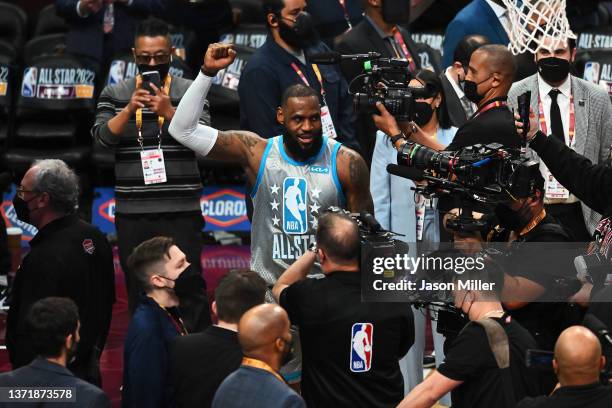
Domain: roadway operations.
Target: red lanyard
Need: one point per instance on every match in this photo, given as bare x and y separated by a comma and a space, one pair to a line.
315, 67
346, 14
400, 40
572, 118
488, 106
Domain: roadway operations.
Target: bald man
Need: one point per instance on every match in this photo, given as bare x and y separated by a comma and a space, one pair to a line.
577, 364
489, 77
265, 338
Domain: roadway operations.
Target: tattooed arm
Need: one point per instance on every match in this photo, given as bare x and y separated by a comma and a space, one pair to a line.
355, 180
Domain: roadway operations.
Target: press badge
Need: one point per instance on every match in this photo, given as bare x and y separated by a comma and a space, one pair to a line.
326, 121
554, 189
153, 167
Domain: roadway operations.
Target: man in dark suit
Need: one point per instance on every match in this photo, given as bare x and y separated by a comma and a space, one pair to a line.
486, 17
101, 29
53, 326
373, 33
265, 339
459, 107
200, 362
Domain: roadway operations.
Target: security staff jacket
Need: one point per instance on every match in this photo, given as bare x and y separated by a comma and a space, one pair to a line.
68, 258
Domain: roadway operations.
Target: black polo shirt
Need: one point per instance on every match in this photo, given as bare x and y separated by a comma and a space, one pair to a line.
470, 359
593, 395
350, 349
68, 258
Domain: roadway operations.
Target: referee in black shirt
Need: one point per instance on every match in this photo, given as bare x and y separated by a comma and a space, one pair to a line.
350, 349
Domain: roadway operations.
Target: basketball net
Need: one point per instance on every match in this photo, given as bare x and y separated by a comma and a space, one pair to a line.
534, 21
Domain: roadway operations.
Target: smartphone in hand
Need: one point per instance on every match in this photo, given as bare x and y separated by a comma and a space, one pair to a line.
148, 78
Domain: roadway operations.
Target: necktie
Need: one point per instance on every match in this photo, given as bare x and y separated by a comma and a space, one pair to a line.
468, 106
556, 124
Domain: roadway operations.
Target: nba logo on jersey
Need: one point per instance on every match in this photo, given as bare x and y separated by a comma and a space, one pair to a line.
28, 85
361, 347
295, 205
116, 72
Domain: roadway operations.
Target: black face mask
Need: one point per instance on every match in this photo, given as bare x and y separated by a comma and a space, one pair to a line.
162, 69
513, 220
422, 113
297, 151
470, 88
21, 208
553, 69
185, 282
301, 35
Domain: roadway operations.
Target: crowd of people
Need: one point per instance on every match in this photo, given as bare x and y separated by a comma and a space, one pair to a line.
294, 330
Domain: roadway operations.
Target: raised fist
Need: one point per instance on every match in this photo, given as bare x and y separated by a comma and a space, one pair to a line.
218, 56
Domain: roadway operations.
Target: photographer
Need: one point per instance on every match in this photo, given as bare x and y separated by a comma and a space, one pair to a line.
470, 370
577, 364
488, 80
336, 328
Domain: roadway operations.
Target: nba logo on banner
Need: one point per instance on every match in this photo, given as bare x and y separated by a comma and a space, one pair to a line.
295, 204
116, 72
361, 347
30, 79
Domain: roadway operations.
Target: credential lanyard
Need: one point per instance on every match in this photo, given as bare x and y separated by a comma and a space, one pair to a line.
489, 106
317, 72
251, 362
397, 35
160, 119
346, 14
572, 119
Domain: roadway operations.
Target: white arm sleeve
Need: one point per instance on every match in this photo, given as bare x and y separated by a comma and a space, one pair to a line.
184, 126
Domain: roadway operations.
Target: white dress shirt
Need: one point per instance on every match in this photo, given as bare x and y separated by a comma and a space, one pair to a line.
502, 15
459, 91
563, 100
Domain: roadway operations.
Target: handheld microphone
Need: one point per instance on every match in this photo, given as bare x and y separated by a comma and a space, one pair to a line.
405, 172
332, 57
597, 326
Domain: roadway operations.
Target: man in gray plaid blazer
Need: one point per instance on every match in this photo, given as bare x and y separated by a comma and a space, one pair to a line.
577, 112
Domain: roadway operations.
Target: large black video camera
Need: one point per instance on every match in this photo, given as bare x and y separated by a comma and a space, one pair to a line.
487, 174
386, 80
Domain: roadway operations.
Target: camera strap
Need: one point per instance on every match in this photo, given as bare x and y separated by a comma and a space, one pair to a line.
500, 346
160, 119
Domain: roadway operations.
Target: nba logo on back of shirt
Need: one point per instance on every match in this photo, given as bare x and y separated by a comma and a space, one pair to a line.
28, 85
295, 205
361, 347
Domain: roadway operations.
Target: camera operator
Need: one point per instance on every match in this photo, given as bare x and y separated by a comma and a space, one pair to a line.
350, 349
470, 369
590, 183
577, 364
488, 80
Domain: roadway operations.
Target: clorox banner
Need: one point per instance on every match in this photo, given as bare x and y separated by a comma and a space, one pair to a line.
223, 208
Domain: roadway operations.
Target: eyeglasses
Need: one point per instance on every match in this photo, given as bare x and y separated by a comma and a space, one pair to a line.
157, 58
20, 190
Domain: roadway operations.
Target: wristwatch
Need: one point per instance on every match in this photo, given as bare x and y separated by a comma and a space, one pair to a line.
397, 137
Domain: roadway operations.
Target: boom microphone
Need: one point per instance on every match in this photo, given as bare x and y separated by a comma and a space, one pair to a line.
332, 57
405, 172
